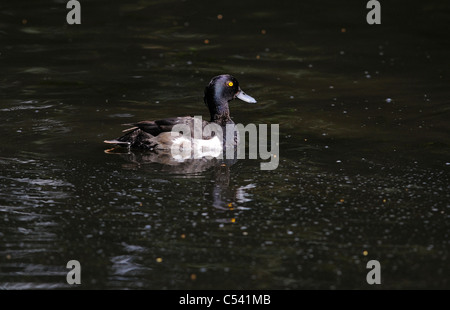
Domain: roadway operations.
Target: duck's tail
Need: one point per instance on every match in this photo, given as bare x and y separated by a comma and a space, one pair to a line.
115, 141
136, 138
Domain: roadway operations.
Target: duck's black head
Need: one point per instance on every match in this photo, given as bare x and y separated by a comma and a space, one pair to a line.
220, 90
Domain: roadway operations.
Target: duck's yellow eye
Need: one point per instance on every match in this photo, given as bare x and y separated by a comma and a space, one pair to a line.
230, 84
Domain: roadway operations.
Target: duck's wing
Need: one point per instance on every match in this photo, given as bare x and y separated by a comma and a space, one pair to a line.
157, 127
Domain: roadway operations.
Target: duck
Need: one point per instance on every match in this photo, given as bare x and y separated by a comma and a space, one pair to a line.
157, 135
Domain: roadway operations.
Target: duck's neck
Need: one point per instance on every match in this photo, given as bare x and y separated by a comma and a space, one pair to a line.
220, 113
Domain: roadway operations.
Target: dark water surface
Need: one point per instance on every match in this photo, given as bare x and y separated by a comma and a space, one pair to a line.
364, 145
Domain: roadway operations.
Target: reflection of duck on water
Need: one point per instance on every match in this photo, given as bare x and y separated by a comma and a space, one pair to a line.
167, 163
223, 194
158, 136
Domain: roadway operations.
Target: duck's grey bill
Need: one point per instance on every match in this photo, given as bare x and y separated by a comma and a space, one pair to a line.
244, 97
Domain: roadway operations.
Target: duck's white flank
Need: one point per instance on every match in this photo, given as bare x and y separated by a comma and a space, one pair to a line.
184, 148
